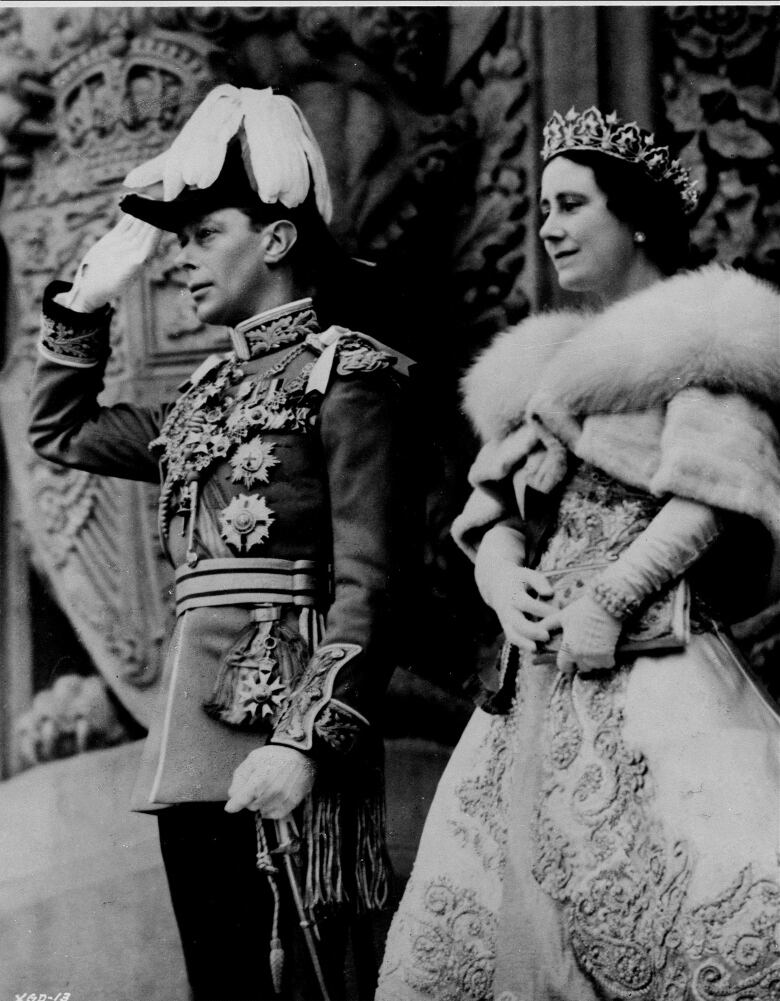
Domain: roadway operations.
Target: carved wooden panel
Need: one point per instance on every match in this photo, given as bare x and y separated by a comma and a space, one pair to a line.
428, 118
117, 101
424, 118
721, 93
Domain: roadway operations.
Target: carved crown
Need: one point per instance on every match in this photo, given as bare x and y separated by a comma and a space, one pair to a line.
116, 110
590, 130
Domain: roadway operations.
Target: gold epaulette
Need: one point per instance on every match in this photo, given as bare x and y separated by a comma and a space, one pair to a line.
357, 353
352, 352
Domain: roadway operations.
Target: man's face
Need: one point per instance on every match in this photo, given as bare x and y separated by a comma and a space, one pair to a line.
223, 259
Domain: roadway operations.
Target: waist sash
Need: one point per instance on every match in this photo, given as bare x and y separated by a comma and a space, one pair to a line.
249, 582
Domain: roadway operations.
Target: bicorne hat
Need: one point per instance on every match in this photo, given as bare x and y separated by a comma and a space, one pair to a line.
240, 148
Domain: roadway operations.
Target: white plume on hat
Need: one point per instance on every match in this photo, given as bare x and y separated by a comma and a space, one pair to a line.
277, 142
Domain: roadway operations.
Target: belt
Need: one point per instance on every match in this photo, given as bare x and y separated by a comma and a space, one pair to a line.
249, 582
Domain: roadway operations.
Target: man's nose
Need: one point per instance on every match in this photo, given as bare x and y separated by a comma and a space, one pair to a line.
183, 258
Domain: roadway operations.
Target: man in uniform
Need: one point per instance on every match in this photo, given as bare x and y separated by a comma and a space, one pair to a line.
284, 509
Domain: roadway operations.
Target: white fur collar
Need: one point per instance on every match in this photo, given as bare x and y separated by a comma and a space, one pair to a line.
717, 327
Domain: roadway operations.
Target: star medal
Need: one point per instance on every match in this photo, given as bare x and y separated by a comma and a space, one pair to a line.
245, 521
252, 462
259, 695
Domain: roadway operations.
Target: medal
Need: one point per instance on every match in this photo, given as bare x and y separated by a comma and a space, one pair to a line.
259, 695
252, 461
245, 521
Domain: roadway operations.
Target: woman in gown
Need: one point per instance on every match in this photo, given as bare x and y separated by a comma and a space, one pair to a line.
609, 824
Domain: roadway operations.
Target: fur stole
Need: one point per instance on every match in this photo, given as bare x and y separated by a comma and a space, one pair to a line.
717, 328
667, 390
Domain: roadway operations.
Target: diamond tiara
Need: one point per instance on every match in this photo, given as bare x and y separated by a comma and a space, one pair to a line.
590, 130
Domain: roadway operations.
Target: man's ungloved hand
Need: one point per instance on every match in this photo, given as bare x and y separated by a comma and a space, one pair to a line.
272, 780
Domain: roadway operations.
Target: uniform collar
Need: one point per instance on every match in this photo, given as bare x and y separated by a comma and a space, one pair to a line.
274, 328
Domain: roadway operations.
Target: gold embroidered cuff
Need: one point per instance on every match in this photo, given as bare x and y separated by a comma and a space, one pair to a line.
338, 728
312, 718
77, 340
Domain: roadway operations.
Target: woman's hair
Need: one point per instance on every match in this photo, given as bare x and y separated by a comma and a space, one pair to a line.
644, 205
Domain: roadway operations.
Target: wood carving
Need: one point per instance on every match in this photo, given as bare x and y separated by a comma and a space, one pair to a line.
115, 102
721, 90
429, 160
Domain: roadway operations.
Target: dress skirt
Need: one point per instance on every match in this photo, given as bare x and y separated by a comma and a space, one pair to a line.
613, 836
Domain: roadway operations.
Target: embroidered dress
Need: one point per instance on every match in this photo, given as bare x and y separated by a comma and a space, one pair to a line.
602, 840
617, 834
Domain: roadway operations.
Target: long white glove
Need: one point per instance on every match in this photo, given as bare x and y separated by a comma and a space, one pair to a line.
590, 636
515, 593
111, 264
674, 540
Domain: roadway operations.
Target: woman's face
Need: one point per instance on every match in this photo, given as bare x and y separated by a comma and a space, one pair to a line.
591, 249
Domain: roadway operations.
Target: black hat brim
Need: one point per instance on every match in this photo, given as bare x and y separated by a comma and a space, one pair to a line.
231, 189
179, 212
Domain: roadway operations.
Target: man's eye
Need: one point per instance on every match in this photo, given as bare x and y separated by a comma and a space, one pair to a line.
204, 233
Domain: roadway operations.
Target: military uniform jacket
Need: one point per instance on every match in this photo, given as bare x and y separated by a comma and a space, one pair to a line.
284, 509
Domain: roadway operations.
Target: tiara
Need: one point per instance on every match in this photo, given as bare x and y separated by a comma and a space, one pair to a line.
590, 130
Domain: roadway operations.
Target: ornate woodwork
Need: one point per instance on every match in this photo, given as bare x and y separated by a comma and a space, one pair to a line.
423, 120
115, 102
721, 99
427, 117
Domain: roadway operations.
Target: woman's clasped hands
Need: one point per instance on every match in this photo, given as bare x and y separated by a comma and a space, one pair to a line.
519, 596
523, 601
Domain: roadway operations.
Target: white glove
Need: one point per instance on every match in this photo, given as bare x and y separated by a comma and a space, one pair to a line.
674, 540
590, 636
515, 593
111, 264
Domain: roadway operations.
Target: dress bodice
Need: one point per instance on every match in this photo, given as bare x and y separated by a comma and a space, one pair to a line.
597, 519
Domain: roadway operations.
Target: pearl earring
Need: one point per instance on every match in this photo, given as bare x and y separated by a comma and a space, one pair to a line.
639, 236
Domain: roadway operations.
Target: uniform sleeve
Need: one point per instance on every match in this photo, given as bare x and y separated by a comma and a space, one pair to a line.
364, 422
67, 425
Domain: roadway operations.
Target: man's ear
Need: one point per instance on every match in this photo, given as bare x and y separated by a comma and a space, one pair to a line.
280, 239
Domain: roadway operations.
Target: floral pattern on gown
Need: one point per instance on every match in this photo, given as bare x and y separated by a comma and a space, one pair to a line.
624, 880
603, 840
445, 942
